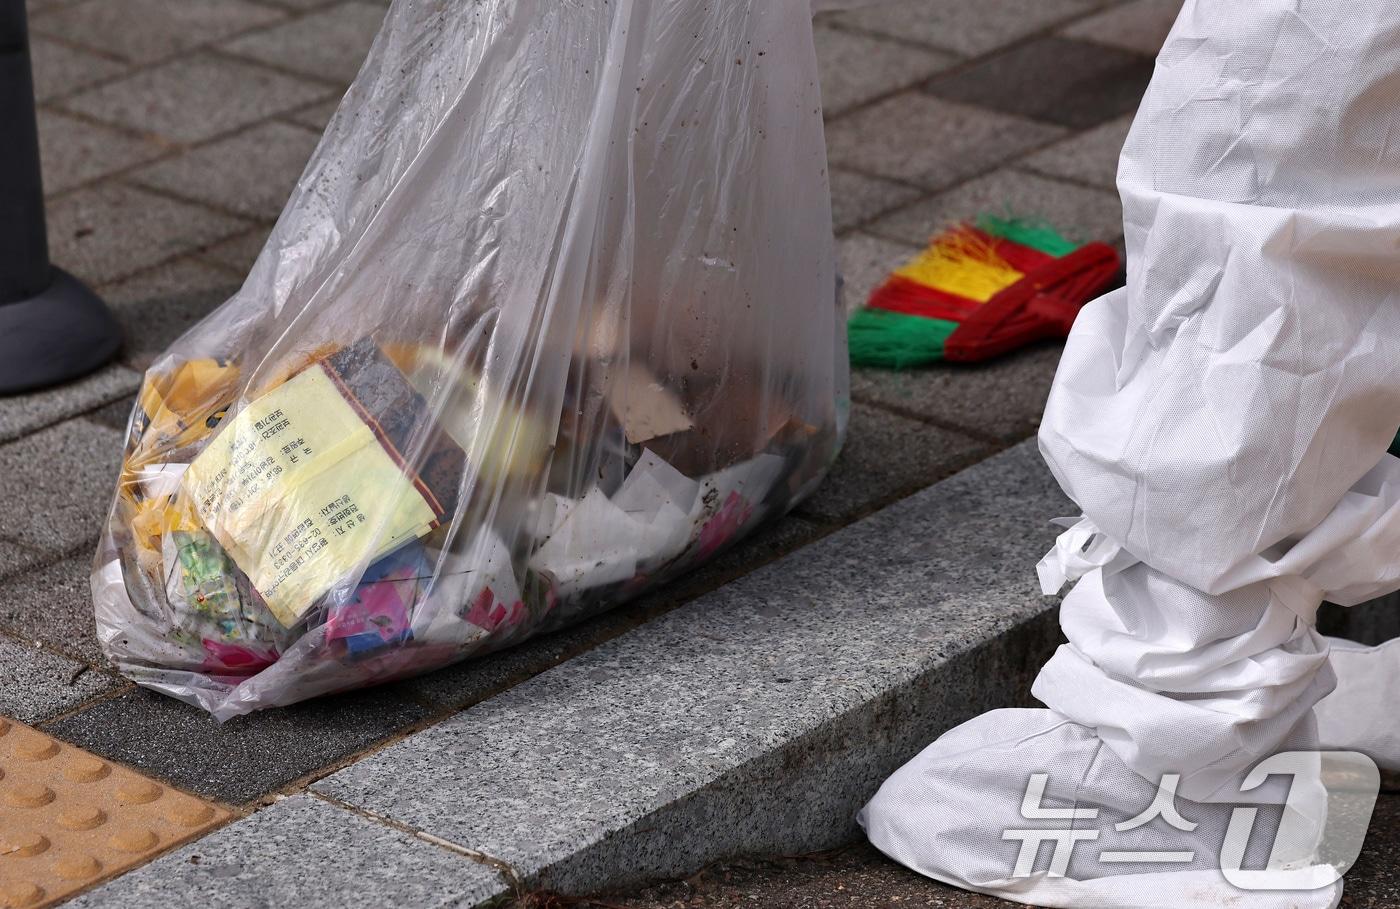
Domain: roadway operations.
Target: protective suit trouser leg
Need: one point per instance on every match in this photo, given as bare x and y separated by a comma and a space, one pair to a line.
1222, 422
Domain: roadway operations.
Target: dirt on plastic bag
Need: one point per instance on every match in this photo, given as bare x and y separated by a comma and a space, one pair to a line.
549, 319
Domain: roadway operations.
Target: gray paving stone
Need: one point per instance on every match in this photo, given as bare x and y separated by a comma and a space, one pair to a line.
865, 262
144, 31
855, 198
930, 142
1080, 213
156, 306
22, 414
239, 253
1090, 157
59, 484
53, 604
106, 232
886, 457
244, 758
250, 173
475, 680
1140, 25
330, 44
302, 852
315, 116
857, 68
15, 559
957, 25
60, 69
36, 685
75, 152
300, 5
1054, 80
196, 98
1003, 399
755, 720
116, 415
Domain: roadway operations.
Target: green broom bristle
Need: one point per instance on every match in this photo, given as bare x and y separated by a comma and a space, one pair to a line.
894, 340
1036, 234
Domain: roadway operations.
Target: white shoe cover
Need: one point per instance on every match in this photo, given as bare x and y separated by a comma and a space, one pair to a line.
1360, 715
944, 814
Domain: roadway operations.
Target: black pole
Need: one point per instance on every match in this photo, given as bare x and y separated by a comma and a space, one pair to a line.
52, 328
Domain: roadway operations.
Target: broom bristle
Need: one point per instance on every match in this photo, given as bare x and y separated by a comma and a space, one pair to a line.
963, 263
896, 341
1034, 233
910, 317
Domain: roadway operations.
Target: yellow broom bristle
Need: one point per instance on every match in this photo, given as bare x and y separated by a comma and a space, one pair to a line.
961, 262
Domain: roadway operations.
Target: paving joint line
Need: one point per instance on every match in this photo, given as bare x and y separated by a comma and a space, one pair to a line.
966, 61
59, 4
872, 175
123, 687
1012, 163
223, 53
174, 147
205, 253
49, 557
874, 100
172, 196
1022, 165
56, 106
274, 4
35, 644
290, 14
204, 49
36, 27
512, 877
838, 25
1000, 442
106, 400
130, 180
90, 415
173, 150
179, 254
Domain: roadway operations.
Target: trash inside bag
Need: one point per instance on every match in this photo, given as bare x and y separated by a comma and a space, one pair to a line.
550, 318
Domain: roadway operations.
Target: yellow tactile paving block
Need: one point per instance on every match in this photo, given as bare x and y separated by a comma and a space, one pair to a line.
69, 818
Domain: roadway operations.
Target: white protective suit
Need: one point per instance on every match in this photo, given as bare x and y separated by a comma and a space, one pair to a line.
1222, 422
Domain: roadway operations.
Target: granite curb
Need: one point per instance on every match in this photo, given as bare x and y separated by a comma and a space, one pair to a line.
756, 720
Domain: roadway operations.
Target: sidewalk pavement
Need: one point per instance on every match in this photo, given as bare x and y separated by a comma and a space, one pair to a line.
172, 131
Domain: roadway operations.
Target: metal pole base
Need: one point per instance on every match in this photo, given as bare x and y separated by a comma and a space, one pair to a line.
62, 333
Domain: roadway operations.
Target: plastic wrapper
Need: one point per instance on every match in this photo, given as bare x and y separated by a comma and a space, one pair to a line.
550, 318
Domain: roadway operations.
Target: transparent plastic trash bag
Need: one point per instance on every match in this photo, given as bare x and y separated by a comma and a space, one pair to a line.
550, 318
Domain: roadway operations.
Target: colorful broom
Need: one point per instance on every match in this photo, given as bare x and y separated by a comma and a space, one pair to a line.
977, 292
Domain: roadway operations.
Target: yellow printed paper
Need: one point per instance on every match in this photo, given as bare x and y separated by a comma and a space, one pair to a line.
301, 494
